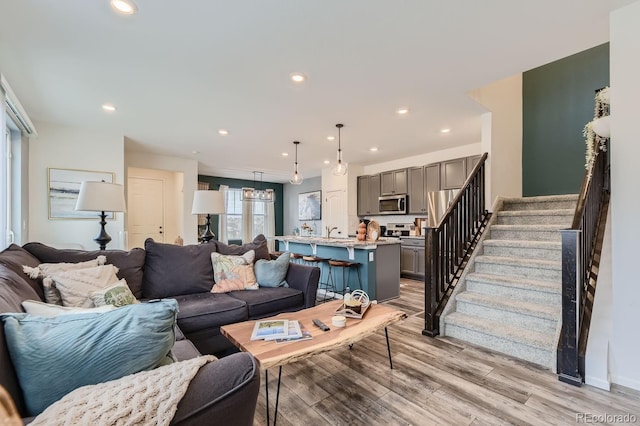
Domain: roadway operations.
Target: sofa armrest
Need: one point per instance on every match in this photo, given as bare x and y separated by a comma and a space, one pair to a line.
304, 278
223, 392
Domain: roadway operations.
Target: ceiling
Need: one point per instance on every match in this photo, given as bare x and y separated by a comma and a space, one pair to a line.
180, 71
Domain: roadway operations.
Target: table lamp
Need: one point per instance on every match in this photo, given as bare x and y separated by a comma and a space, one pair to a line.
101, 197
207, 202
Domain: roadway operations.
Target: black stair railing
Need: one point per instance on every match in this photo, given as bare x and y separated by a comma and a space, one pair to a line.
579, 251
449, 245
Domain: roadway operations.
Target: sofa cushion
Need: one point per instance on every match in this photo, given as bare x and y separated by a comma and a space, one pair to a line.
66, 352
259, 244
75, 286
205, 310
15, 258
268, 301
172, 270
130, 263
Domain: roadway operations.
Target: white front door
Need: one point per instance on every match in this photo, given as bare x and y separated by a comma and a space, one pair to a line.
145, 210
335, 213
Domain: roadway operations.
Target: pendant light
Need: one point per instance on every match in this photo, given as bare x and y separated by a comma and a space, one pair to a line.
297, 178
340, 169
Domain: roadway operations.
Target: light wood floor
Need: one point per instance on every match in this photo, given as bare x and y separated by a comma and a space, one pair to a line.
439, 381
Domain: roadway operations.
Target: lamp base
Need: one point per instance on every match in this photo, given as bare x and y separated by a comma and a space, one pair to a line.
207, 235
102, 238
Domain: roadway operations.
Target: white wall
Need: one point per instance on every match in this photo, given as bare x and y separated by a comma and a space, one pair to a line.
71, 148
625, 196
189, 169
290, 205
502, 136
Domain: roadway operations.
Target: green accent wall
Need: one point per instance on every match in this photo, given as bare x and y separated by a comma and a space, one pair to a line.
558, 100
278, 207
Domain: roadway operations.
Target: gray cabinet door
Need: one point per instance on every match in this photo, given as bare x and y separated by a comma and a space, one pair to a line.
393, 182
471, 163
363, 195
417, 200
432, 177
453, 173
420, 268
374, 194
407, 260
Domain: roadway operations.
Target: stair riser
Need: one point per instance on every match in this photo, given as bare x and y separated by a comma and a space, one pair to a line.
533, 235
536, 355
539, 205
551, 275
532, 296
523, 252
561, 220
542, 325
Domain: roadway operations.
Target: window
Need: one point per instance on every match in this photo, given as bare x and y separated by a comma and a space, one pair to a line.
259, 218
245, 220
5, 180
234, 214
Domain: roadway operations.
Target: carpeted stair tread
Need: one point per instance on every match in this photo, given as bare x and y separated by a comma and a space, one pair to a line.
514, 261
520, 335
529, 228
542, 198
547, 245
523, 283
550, 212
510, 305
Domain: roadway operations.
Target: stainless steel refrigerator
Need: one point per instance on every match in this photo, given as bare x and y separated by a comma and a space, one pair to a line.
439, 202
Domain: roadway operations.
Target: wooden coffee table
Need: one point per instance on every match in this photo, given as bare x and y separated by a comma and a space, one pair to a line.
271, 354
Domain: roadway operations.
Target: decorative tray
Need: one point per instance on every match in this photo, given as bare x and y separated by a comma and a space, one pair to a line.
349, 313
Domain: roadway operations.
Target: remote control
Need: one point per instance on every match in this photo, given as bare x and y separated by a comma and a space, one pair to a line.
320, 324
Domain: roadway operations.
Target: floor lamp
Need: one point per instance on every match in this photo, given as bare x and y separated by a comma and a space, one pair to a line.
208, 202
101, 197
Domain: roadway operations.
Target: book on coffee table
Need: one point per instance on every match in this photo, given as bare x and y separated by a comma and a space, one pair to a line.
272, 329
297, 332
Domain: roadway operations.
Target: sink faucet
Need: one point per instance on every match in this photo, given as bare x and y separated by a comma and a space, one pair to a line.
329, 229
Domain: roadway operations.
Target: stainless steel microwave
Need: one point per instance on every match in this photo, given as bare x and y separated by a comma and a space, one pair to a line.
393, 204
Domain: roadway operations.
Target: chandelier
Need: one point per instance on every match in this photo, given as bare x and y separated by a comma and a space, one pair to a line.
257, 193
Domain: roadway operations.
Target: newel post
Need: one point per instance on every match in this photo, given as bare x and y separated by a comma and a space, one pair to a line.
431, 323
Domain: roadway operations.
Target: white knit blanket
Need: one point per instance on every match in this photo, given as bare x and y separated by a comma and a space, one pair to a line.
143, 399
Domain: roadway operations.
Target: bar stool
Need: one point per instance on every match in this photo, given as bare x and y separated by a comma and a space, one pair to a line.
345, 266
319, 262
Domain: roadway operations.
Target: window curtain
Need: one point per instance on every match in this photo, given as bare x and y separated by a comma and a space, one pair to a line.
222, 219
247, 221
4, 175
270, 226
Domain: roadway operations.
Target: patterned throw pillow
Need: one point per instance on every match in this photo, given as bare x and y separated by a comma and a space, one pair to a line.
116, 295
233, 272
44, 270
75, 286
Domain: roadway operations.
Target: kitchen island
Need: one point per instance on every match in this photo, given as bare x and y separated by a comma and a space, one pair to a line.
379, 262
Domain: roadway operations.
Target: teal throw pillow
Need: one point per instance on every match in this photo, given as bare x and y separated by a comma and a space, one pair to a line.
54, 356
271, 273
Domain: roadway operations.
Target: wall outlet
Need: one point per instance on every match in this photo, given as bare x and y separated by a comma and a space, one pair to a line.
370, 256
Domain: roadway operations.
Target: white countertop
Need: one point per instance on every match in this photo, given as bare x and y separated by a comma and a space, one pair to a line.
338, 242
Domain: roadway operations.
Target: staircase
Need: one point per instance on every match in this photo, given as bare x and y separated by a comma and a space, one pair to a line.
509, 298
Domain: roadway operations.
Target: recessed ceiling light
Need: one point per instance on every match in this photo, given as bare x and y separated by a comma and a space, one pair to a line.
445, 130
327, 162
194, 152
373, 149
223, 132
297, 77
124, 7
402, 111
331, 138
109, 107
285, 154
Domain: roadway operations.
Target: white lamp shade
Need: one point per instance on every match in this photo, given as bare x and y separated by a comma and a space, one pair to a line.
207, 202
602, 126
101, 197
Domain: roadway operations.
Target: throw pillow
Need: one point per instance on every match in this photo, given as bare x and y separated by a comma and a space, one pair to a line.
172, 270
15, 258
272, 273
130, 263
43, 270
53, 356
75, 286
48, 310
117, 295
233, 272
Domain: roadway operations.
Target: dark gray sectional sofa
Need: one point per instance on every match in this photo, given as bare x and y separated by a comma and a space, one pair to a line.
225, 390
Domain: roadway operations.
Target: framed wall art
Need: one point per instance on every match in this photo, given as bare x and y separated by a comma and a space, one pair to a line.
310, 205
64, 187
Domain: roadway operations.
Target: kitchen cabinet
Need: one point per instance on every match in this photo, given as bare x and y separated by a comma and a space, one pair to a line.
471, 163
417, 193
393, 182
432, 177
412, 262
453, 173
368, 194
